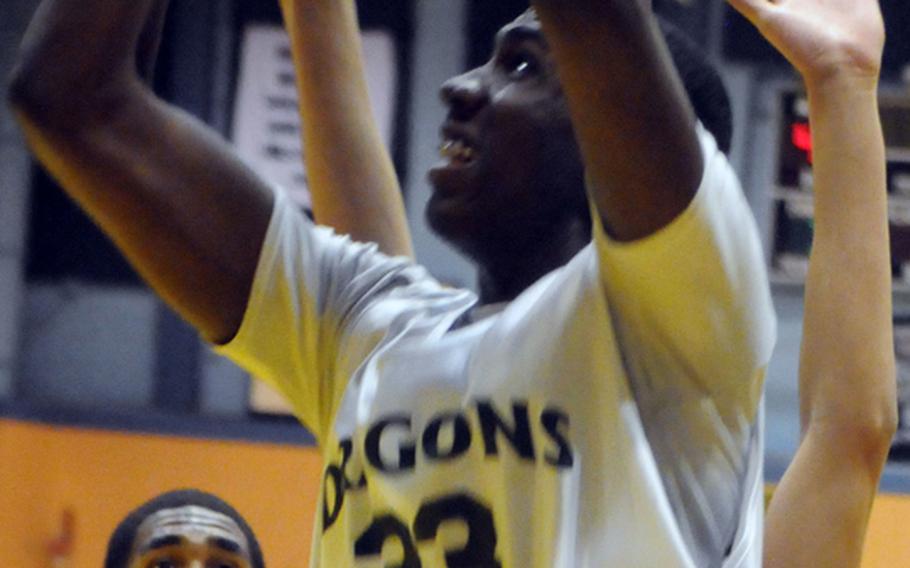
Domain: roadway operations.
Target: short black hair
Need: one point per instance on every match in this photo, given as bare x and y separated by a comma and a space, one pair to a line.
702, 82
120, 544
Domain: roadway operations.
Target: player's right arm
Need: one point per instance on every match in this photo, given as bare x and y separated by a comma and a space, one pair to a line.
819, 514
351, 177
173, 197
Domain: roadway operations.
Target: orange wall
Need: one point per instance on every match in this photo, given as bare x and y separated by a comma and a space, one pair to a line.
888, 540
102, 475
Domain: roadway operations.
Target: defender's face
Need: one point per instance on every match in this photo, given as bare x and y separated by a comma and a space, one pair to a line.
190, 537
508, 152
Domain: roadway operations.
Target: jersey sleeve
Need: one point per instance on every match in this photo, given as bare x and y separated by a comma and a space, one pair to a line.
691, 303
693, 318
309, 285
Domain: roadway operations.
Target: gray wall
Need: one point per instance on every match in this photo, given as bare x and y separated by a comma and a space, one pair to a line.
438, 54
14, 162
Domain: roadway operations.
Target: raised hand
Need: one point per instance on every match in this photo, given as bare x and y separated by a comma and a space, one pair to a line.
822, 38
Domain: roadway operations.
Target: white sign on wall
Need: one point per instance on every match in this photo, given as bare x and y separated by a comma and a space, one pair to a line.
266, 127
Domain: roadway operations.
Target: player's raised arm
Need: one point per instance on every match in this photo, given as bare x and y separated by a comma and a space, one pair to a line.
188, 215
819, 514
633, 121
351, 177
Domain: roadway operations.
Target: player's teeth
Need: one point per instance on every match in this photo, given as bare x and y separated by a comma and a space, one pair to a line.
456, 149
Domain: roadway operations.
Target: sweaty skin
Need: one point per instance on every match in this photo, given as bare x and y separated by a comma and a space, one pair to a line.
848, 402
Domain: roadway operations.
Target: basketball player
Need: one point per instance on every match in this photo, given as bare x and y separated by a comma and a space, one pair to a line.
183, 529
598, 404
333, 119
847, 386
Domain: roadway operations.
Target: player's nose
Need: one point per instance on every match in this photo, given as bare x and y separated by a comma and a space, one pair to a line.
465, 94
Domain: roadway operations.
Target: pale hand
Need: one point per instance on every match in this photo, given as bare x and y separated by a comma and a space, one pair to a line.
822, 38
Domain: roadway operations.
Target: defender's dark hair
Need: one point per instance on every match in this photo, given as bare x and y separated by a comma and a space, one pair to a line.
120, 544
702, 82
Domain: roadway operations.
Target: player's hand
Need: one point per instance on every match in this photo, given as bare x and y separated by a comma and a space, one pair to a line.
822, 38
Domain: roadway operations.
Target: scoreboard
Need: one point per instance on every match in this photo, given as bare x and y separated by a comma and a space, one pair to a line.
793, 212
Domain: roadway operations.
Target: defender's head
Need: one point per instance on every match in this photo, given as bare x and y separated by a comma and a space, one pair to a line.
184, 529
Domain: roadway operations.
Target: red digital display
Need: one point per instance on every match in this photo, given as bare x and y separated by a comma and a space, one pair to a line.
801, 137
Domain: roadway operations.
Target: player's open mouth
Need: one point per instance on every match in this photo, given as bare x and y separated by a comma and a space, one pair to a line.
461, 156
457, 151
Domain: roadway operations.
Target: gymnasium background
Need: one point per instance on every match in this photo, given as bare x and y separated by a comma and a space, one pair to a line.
107, 398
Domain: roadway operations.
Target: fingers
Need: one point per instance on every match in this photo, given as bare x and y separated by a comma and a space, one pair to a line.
751, 9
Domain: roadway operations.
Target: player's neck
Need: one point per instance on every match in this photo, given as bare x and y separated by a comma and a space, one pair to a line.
503, 278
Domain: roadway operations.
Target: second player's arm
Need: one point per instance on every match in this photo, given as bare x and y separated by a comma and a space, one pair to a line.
172, 195
351, 177
820, 511
819, 514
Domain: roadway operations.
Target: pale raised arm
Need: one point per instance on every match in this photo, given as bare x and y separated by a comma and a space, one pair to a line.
351, 177
819, 514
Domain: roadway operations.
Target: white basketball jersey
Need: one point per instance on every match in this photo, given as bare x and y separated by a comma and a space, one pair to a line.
608, 416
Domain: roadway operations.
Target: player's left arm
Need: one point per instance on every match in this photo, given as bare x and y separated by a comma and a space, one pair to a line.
681, 262
632, 118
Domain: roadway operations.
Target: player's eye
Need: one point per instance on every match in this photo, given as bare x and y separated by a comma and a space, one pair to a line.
520, 65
